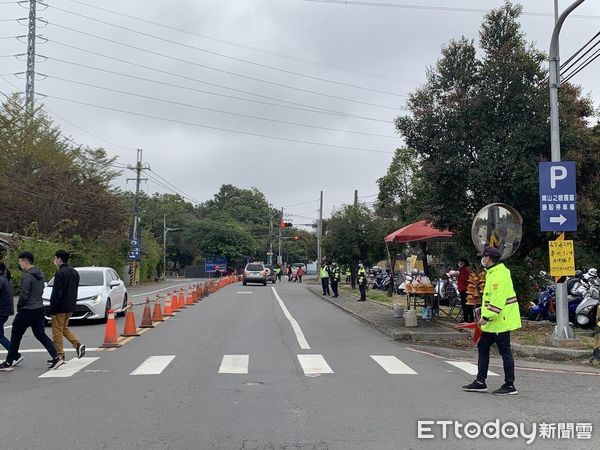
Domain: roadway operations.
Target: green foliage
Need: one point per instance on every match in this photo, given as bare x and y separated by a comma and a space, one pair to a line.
43, 252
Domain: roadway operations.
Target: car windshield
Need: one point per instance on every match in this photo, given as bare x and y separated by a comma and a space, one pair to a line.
91, 278
254, 267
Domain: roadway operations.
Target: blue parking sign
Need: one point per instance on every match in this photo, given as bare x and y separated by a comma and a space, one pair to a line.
558, 196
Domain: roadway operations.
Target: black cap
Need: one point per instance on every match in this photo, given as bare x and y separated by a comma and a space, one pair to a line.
493, 253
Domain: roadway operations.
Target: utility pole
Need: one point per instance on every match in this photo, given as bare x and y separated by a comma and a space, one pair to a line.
135, 254
30, 73
562, 330
165, 231
319, 235
279, 258
270, 255
355, 198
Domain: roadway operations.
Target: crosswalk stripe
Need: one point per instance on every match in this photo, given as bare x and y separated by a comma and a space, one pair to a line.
154, 365
314, 364
468, 367
393, 365
234, 364
70, 368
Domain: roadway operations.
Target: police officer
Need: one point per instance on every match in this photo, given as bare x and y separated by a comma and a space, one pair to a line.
336, 276
324, 274
361, 275
499, 316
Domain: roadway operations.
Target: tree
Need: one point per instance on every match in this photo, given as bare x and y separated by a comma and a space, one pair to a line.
396, 193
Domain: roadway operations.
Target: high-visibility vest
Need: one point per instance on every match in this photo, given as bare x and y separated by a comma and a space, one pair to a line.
324, 273
500, 306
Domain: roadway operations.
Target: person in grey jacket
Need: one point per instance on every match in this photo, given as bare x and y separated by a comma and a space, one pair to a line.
30, 313
6, 302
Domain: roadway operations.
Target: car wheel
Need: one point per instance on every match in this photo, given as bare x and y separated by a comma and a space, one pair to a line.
122, 313
108, 306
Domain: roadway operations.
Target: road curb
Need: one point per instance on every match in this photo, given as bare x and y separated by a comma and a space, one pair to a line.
549, 353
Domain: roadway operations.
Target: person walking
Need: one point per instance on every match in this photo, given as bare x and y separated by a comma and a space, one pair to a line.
289, 273
324, 274
336, 276
63, 301
499, 316
361, 275
278, 272
300, 274
463, 283
7, 308
30, 313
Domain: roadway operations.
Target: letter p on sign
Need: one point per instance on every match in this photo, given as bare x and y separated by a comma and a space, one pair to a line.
557, 173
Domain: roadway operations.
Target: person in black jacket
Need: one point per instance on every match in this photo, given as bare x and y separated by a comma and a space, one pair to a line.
63, 301
30, 313
7, 308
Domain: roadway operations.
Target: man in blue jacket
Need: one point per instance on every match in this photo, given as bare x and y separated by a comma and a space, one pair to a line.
30, 313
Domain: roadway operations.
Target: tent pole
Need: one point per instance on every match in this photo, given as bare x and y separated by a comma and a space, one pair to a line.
391, 286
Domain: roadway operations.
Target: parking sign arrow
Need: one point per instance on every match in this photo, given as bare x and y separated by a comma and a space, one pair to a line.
559, 220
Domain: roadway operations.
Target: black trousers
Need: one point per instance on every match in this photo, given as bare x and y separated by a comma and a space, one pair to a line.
502, 341
334, 287
363, 292
468, 310
24, 319
325, 285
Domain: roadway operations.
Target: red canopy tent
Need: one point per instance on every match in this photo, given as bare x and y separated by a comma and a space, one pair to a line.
420, 231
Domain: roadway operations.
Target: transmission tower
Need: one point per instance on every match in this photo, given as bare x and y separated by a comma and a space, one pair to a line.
30, 74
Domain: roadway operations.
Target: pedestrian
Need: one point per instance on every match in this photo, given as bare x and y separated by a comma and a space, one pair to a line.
499, 316
7, 308
336, 276
463, 283
63, 302
348, 275
30, 313
295, 274
324, 273
278, 272
300, 273
361, 275
289, 273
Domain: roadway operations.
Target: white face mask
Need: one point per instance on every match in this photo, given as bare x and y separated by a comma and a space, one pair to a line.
483, 262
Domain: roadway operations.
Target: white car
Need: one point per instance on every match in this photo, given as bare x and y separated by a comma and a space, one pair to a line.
100, 289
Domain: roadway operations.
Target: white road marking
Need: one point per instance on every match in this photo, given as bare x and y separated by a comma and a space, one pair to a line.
468, 367
70, 368
154, 365
299, 334
8, 327
393, 365
235, 364
314, 364
168, 288
43, 350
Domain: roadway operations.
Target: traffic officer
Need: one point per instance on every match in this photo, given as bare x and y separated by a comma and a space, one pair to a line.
324, 274
499, 316
362, 282
336, 276
348, 275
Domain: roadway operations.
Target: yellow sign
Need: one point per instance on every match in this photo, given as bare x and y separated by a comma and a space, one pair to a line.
562, 258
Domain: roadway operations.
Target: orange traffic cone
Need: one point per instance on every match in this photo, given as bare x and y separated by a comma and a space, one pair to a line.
157, 313
147, 317
130, 328
174, 302
168, 309
196, 294
181, 300
110, 334
189, 299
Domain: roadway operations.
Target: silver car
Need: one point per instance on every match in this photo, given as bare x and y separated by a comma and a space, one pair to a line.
100, 289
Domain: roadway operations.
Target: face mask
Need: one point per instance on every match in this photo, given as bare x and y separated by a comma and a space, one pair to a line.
483, 262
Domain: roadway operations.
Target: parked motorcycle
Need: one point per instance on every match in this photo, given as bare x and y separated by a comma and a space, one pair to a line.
545, 306
585, 311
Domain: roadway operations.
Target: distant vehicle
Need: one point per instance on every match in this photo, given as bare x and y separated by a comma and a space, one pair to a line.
271, 275
255, 273
296, 265
100, 289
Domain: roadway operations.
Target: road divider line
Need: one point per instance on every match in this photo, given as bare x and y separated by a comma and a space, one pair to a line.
70, 368
297, 330
154, 365
161, 290
468, 367
314, 365
393, 365
235, 364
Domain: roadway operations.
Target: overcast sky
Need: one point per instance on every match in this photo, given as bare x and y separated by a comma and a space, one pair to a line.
356, 64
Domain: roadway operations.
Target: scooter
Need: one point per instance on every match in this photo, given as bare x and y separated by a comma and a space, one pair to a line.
545, 308
585, 313
382, 281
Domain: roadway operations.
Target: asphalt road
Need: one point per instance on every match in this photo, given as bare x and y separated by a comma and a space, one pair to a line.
254, 368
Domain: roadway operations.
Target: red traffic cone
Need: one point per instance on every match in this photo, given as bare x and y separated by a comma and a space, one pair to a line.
147, 317
157, 315
181, 300
168, 309
174, 302
130, 328
110, 333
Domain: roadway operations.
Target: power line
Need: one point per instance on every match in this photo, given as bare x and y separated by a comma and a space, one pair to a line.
228, 72
439, 8
583, 65
244, 46
175, 187
248, 116
300, 204
246, 133
222, 55
298, 106
562, 66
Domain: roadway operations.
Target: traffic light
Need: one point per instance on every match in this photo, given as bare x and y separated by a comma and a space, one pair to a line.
283, 224
296, 238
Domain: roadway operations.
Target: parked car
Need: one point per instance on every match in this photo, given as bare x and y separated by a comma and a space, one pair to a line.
271, 275
296, 265
255, 273
100, 289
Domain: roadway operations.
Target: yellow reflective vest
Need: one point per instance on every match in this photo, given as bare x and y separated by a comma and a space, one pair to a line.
500, 306
324, 272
